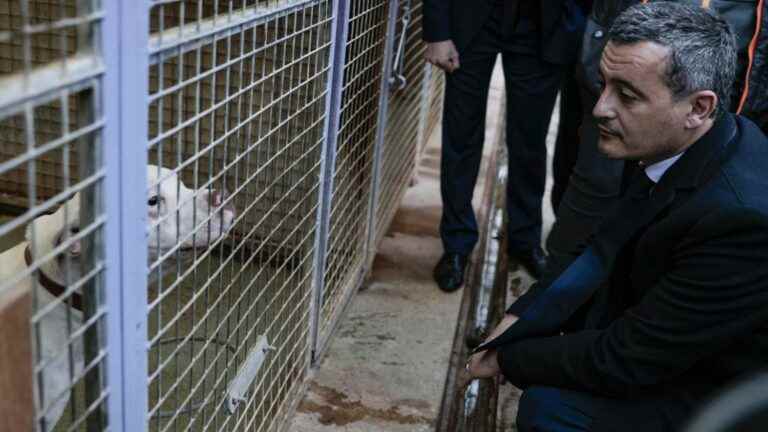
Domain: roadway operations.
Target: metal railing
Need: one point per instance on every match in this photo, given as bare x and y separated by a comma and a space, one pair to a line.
471, 405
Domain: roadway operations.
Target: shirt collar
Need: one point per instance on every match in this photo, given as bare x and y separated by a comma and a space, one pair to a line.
656, 171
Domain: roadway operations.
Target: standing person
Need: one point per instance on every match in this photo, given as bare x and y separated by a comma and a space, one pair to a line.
676, 272
537, 39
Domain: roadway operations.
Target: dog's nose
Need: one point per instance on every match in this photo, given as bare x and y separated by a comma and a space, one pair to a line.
218, 197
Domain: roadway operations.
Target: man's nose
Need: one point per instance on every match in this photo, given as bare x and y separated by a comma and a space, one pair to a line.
604, 108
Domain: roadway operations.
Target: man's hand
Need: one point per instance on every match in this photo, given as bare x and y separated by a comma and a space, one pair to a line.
484, 364
443, 54
505, 323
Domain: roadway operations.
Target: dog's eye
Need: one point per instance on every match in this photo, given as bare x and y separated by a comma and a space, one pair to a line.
74, 230
152, 201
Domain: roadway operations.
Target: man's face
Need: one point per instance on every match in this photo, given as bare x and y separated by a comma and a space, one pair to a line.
637, 116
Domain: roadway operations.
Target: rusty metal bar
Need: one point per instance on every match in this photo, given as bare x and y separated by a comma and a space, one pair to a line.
471, 406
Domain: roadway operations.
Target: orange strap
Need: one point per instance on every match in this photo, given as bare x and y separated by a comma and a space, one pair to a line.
751, 54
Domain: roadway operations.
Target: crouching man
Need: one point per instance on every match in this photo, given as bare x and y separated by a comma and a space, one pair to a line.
669, 302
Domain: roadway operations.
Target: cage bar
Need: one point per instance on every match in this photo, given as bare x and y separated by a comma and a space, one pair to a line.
352, 176
384, 96
339, 33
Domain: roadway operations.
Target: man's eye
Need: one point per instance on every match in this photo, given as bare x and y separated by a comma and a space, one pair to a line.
627, 96
152, 201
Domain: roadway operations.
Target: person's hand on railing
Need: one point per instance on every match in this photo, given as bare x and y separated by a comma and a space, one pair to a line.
484, 364
443, 54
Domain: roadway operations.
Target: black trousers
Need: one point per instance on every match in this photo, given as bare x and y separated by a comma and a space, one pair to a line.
531, 87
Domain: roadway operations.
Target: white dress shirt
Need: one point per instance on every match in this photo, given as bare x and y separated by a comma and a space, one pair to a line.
657, 170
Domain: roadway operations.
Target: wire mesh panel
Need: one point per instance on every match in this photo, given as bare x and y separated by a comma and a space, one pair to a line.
401, 133
51, 206
237, 97
48, 30
354, 155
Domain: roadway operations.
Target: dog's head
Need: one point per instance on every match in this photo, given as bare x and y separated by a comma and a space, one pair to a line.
181, 216
177, 215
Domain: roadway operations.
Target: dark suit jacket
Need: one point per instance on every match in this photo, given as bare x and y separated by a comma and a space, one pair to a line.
561, 24
685, 306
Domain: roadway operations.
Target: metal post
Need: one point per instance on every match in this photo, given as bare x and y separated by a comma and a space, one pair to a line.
339, 31
381, 128
125, 40
89, 149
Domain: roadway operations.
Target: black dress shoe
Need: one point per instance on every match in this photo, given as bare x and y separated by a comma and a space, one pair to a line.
449, 272
533, 260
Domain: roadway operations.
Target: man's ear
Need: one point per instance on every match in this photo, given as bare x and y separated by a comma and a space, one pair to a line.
703, 106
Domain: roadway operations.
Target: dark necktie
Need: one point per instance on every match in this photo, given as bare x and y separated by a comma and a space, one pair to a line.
641, 186
509, 22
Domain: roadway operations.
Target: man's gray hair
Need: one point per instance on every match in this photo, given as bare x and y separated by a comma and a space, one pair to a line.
702, 46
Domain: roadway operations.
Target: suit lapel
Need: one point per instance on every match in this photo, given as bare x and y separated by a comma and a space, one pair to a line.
631, 216
700, 163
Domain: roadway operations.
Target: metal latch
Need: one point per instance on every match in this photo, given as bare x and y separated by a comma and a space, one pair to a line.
238, 387
397, 75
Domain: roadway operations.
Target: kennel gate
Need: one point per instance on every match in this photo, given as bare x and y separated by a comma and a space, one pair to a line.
286, 104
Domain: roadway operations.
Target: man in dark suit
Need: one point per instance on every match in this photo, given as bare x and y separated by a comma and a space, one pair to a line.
537, 40
591, 181
669, 302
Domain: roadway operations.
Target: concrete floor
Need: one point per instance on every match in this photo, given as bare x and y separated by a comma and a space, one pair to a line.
386, 365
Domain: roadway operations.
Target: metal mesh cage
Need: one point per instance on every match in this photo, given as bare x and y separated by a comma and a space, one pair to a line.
237, 104
42, 36
242, 104
52, 210
401, 134
354, 155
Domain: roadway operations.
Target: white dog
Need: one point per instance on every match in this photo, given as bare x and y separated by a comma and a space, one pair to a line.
201, 210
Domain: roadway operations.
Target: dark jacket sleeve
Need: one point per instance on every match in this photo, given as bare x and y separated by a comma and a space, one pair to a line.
521, 304
716, 291
436, 21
